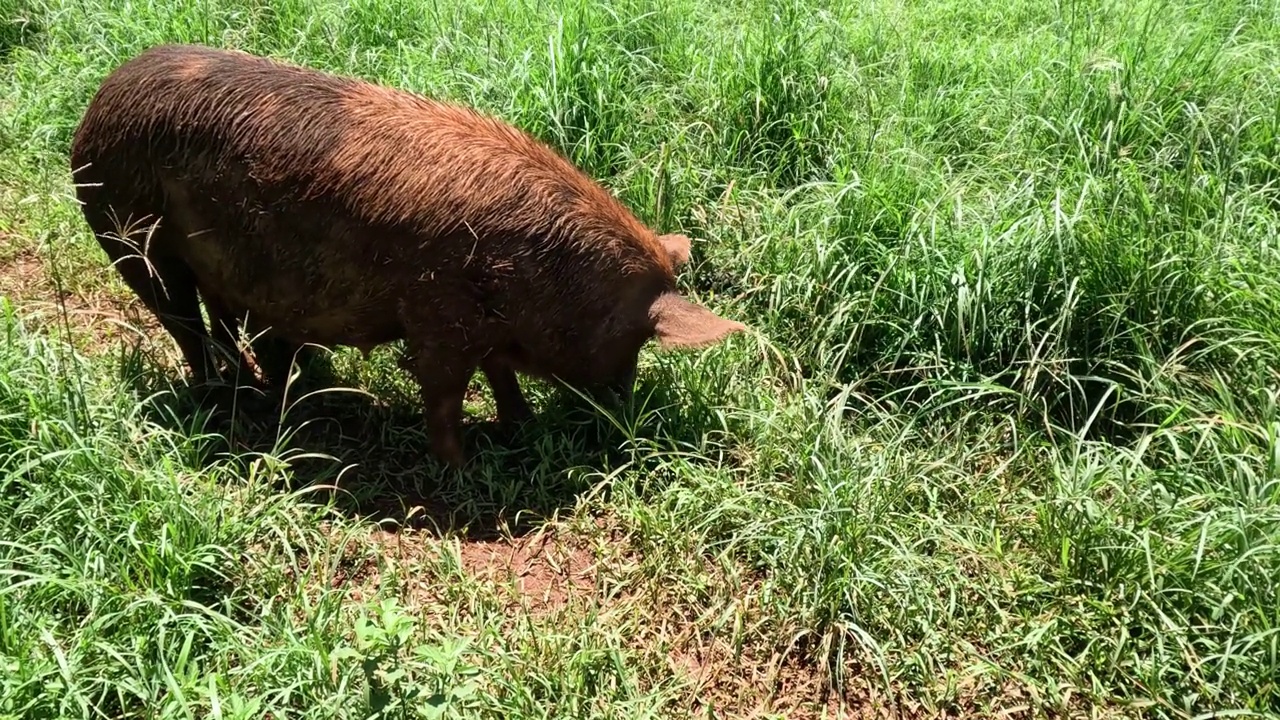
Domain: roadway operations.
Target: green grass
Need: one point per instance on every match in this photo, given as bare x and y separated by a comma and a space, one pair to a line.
1006, 436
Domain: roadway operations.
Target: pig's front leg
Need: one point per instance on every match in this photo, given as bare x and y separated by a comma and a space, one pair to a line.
443, 382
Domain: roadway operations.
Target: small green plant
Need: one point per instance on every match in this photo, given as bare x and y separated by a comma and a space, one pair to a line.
406, 679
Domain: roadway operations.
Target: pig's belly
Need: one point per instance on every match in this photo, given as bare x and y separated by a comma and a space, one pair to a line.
304, 297
310, 277
313, 321
317, 309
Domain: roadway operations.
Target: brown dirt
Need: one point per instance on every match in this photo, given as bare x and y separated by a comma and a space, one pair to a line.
538, 574
748, 684
756, 681
546, 573
95, 320
554, 571
558, 574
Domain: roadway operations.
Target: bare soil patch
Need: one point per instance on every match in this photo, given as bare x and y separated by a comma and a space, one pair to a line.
750, 679
538, 574
95, 320
555, 574
546, 572
558, 574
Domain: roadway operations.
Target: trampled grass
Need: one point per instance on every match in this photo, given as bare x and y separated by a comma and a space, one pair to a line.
1006, 438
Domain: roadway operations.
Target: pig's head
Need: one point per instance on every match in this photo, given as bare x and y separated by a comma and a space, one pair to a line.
650, 308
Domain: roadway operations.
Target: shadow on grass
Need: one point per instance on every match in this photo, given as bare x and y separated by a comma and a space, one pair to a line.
369, 454
19, 27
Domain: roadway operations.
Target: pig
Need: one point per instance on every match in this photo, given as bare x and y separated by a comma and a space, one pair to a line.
330, 210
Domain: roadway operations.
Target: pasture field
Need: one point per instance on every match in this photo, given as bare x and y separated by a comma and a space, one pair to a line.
1004, 440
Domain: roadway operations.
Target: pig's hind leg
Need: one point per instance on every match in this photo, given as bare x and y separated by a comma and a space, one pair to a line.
512, 408
224, 329
164, 283
273, 354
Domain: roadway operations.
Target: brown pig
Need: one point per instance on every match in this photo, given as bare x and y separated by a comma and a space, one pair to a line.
338, 212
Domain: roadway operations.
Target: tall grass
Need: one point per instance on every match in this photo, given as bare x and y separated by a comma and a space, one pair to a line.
1006, 435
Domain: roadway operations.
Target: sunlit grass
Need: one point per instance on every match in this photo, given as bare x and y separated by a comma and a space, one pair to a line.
1005, 435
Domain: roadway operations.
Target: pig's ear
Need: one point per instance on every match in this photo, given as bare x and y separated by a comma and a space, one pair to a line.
679, 323
677, 246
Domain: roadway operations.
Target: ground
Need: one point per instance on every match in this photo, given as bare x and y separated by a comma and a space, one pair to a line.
1003, 439
542, 577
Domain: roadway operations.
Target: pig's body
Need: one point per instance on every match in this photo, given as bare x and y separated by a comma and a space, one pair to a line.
338, 212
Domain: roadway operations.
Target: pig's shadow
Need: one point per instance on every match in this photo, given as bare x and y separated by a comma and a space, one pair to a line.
374, 448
